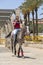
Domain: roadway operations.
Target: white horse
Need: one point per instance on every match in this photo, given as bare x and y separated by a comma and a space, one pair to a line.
18, 38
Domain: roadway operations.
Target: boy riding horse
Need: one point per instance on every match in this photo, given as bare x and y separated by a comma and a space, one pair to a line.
17, 28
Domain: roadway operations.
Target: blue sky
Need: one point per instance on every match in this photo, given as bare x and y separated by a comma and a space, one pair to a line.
12, 4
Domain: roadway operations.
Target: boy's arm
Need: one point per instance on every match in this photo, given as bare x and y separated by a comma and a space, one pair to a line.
14, 23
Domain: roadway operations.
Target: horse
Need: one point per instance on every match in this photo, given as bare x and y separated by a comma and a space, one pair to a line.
18, 38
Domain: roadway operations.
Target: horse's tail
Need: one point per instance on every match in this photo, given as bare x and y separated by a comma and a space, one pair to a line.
8, 35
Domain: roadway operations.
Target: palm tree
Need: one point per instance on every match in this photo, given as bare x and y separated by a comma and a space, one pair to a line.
35, 5
38, 3
31, 5
24, 12
26, 8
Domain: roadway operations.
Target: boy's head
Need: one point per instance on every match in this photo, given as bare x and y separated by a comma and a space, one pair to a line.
17, 17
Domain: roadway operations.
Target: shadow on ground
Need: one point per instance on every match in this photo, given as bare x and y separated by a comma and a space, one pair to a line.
26, 57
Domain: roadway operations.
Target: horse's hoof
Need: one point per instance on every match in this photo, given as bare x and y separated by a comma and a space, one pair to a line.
23, 56
13, 55
18, 56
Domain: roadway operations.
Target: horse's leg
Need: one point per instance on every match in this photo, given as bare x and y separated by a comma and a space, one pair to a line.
20, 50
14, 48
12, 45
15, 45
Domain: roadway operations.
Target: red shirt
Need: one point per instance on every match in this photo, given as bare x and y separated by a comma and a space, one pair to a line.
16, 25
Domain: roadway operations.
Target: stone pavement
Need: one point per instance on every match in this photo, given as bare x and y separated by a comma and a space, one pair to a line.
32, 56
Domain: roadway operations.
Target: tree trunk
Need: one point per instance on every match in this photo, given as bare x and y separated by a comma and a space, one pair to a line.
28, 22
36, 22
25, 18
33, 25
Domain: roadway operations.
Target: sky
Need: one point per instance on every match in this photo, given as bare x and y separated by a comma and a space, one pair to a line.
10, 4
13, 4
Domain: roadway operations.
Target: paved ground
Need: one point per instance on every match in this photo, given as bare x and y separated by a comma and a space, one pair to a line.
34, 44
32, 56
